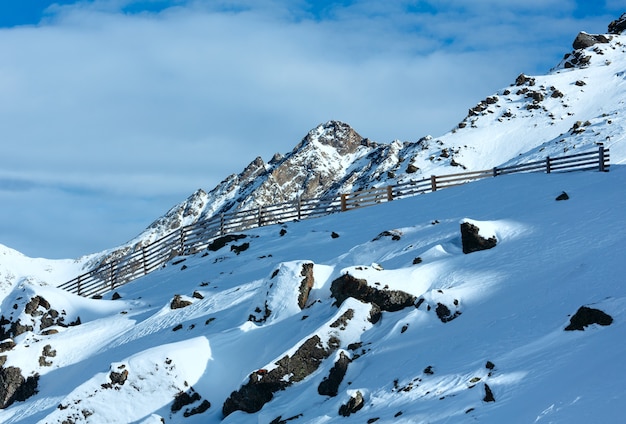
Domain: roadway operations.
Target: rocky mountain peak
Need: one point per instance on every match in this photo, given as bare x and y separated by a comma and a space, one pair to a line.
618, 25
338, 135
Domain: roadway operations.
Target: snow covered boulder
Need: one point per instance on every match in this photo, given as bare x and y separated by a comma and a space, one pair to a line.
474, 238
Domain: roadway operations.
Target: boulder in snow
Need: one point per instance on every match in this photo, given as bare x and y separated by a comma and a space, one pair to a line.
472, 240
355, 404
585, 316
387, 300
584, 40
14, 387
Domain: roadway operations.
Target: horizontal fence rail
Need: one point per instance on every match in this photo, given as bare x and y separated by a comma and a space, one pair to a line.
140, 260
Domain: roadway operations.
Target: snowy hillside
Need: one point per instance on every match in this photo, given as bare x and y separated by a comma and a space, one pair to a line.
578, 104
475, 337
372, 315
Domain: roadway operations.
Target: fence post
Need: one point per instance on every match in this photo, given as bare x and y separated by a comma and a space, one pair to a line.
389, 193
222, 224
78, 285
182, 241
601, 157
433, 183
495, 171
298, 206
548, 165
143, 256
111, 274
344, 202
260, 219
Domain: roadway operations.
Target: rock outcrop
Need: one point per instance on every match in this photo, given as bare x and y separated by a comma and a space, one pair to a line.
387, 300
472, 241
586, 316
15, 387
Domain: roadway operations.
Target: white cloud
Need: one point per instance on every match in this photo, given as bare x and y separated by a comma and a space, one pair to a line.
155, 105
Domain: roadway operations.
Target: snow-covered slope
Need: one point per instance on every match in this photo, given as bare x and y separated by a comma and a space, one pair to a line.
379, 305
239, 319
575, 106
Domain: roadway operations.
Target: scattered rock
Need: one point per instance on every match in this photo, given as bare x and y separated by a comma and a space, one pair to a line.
183, 399
394, 234
47, 352
220, 242
14, 387
118, 377
618, 25
488, 394
197, 295
354, 405
306, 284
282, 232
586, 316
34, 304
523, 79
178, 302
580, 83
7, 345
204, 405
584, 40
334, 235
116, 296
562, 196
280, 420
241, 248
330, 385
490, 365
429, 370
178, 327
472, 241
261, 386
387, 300
444, 313
417, 260
411, 169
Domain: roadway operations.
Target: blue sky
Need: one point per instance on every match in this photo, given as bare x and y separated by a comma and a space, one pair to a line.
112, 111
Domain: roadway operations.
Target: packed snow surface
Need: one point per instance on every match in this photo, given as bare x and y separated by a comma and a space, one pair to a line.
512, 303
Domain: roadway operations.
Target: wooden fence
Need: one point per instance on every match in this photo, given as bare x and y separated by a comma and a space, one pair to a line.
190, 239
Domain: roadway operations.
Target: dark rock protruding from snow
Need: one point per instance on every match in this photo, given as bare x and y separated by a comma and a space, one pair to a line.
584, 40
220, 242
14, 387
618, 25
330, 385
178, 302
262, 384
562, 196
488, 394
306, 285
354, 405
445, 314
472, 241
586, 316
387, 300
